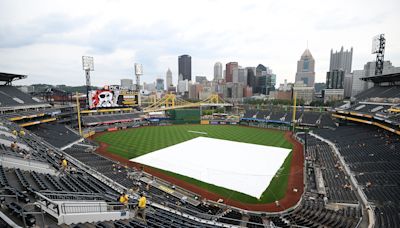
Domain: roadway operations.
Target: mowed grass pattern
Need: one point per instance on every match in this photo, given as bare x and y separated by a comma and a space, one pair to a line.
135, 142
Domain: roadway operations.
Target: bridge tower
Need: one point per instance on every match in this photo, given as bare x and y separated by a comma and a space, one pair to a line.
214, 98
170, 100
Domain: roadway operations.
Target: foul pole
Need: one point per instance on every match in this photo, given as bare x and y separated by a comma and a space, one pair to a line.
294, 109
78, 109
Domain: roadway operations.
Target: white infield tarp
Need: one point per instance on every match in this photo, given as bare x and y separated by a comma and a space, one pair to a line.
243, 167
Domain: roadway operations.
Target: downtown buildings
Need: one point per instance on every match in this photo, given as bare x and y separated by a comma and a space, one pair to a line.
306, 69
339, 78
185, 67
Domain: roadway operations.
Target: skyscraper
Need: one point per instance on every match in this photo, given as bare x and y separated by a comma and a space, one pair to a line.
217, 71
339, 73
251, 77
306, 69
229, 71
168, 78
159, 84
341, 60
335, 79
265, 80
185, 67
259, 69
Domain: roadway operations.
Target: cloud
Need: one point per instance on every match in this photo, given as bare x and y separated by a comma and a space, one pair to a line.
40, 30
46, 39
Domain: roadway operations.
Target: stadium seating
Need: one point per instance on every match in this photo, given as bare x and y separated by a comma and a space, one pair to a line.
335, 179
380, 92
11, 96
361, 147
309, 118
372, 154
99, 119
31, 113
56, 134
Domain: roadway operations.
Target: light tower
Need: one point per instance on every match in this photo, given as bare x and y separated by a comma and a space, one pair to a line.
378, 48
88, 65
138, 73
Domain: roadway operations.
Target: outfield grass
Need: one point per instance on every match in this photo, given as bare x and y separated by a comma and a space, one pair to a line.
135, 142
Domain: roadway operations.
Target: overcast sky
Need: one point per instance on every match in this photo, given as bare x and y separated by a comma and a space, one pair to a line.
46, 39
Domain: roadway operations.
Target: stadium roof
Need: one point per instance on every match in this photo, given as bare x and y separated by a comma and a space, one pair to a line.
8, 78
395, 77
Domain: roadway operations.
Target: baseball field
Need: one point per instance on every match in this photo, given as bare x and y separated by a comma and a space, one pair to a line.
136, 142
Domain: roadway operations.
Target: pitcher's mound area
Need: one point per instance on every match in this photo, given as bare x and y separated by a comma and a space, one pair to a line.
243, 167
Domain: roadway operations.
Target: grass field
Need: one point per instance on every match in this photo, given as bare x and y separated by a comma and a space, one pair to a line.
139, 141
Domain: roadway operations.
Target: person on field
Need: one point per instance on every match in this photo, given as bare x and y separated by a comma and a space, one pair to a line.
141, 207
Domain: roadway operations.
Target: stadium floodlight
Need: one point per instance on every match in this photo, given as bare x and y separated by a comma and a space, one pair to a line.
375, 44
138, 73
87, 63
378, 48
138, 69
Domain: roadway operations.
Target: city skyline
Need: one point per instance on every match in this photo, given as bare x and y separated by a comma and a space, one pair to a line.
47, 43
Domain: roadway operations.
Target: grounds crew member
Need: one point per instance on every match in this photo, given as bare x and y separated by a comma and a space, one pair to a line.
124, 199
141, 207
64, 164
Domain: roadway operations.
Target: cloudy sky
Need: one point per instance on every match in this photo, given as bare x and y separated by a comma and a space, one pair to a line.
46, 39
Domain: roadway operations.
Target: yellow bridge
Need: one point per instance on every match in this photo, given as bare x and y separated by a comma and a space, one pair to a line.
170, 101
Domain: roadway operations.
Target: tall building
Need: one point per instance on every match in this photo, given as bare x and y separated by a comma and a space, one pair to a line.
239, 75
265, 80
127, 84
185, 67
251, 77
264, 84
201, 79
335, 79
242, 76
334, 86
159, 84
306, 69
338, 79
217, 71
229, 71
341, 60
259, 69
168, 78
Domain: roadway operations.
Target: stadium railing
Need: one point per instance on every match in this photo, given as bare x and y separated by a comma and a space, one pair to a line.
367, 205
203, 217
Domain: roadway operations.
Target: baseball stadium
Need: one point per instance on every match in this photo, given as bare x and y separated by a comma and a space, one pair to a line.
66, 161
